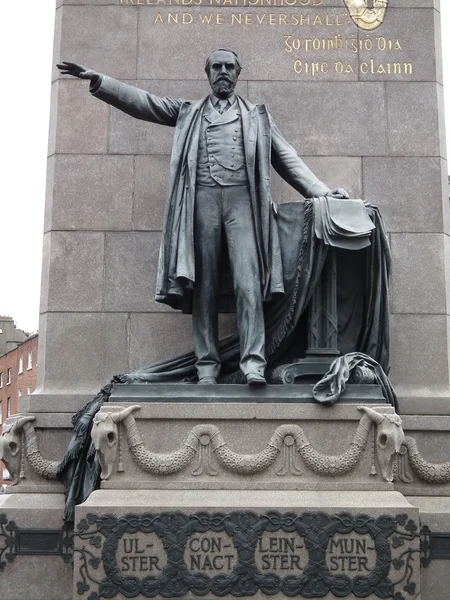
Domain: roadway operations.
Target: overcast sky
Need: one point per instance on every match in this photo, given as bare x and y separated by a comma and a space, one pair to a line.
26, 49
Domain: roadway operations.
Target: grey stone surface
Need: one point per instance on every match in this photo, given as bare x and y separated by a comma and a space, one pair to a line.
50, 180
131, 262
343, 127
413, 131
150, 191
419, 278
425, 423
247, 499
445, 197
97, 349
75, 271
427, 370
93, 192
446, 254
414, 4
45, 274
424, 402
101, 37
438, 47
53, 403
157, 336
78, 123
409, 192
194, 412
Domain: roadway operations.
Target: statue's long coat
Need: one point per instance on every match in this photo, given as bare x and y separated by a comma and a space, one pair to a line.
264, 145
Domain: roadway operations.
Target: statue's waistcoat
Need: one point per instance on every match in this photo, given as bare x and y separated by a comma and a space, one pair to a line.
221, 157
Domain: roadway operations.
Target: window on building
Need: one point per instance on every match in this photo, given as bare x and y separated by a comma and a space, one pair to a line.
29, 390
21, 365
1, 379
1, 412
20, 393
8, 407
30, 360
8, 380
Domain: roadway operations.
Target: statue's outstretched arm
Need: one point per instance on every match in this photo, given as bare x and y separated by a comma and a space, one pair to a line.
127, 98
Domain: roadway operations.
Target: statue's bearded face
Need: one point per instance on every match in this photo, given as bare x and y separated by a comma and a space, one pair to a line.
223, 73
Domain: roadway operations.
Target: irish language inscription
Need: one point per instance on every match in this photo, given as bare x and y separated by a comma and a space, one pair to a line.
241, 553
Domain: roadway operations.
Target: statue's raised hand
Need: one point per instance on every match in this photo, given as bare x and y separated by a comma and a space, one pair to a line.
70, 68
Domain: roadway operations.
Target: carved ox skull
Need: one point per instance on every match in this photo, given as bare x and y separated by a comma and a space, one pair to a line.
389, 439
105, 435
11, 445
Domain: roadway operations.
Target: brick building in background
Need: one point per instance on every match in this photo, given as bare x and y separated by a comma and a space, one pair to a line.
18, 370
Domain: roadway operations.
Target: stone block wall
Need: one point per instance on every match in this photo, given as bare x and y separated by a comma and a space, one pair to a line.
363, 107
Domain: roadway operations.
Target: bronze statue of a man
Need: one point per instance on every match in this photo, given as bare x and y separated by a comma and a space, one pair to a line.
219, 196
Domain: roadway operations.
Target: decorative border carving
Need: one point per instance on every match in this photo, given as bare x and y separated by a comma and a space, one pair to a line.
16, 543
202, 439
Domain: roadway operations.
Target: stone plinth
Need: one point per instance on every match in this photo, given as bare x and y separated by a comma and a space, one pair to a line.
193, 544
35, 552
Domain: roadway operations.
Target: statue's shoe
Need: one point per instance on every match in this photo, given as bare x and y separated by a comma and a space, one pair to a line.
207, 381
255, 379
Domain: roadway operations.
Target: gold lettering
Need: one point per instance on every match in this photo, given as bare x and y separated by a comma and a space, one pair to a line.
374, 68
313, 69
298, 66
219, 19
235, 18
207, 18
172, 17
317, 20
158, 19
